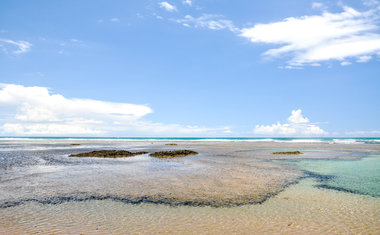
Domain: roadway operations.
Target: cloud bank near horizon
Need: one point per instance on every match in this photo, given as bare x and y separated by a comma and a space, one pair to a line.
27, 111
36, 111
297, 126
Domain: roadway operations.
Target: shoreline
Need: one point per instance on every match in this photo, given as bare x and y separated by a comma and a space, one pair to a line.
226, 176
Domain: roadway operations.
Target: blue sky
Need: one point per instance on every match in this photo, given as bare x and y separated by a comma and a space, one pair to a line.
190, 68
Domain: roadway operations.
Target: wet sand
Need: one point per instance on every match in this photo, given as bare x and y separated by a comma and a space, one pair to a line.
230, 187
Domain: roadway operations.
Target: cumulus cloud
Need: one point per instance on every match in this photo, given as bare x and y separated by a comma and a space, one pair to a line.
37, 104
213, 22
297, 125
36, 111
308, 40
297, 117
19, 47
167, 6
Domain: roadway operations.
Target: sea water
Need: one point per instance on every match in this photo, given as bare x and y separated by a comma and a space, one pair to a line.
322, 191
361, 176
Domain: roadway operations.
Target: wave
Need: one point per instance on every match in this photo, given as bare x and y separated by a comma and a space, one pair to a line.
301, 141
346, 141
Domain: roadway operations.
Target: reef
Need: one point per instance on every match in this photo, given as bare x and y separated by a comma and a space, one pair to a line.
173, 154
108, 154
288, 153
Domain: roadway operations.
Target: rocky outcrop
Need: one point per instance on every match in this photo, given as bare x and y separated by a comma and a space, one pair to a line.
288, 153
173, 154
108, 154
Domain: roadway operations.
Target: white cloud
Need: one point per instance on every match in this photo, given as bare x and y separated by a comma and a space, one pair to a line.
297, 117
114, 19
36, 111
21, 46
187, 2
297, 125
167, 6
213, 22
37, 104
364, 58
312, 39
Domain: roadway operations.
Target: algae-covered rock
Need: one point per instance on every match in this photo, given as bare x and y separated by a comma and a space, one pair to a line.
288, 153
172, 144
173, 154
108, 154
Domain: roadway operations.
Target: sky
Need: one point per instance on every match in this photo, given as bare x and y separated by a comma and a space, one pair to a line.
190, 68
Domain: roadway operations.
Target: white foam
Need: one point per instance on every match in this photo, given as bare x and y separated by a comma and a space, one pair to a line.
230, 140
345, 141
300, 141
210, 140
260, 140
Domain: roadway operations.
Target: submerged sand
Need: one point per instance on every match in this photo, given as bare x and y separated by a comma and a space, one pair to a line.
301, 209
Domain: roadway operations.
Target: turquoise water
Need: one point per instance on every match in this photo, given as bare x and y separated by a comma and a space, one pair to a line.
297, 140
355, 176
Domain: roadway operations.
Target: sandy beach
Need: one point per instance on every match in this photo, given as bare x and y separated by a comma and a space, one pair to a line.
229, 187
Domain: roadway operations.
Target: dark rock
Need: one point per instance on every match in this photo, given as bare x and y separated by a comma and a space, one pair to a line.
173, 154
288, 153
108, 154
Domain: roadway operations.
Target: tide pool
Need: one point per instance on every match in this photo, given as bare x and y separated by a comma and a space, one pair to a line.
360, 176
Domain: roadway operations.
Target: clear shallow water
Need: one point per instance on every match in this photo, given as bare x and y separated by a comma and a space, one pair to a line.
52, 193
43, 172
357, 176
301, 209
